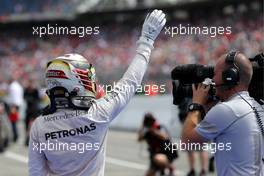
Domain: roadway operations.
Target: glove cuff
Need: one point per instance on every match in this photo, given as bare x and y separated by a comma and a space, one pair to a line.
146, 41
144, 49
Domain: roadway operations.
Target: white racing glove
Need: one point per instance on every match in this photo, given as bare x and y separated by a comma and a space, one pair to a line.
152, 26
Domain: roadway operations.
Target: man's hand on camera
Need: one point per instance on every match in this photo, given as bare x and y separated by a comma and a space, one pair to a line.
152, 26
200, 94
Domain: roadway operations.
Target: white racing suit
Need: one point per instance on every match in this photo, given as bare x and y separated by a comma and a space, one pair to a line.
72, 142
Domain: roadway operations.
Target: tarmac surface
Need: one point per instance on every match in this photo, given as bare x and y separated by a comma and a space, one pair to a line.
125, 157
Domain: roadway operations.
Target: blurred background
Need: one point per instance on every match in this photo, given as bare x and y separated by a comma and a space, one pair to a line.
23, 57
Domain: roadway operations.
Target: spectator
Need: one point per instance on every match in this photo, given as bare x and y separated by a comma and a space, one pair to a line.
32, 98
15, 101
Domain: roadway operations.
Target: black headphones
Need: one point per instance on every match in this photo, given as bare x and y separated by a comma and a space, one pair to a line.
230, 76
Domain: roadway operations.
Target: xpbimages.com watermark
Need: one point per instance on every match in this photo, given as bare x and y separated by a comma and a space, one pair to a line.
146, 89
211, 147
211, 31
80, 31
79, 147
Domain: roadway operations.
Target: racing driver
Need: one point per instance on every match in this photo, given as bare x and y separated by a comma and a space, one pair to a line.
76, 118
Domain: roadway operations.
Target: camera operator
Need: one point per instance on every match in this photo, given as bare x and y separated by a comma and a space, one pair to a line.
237, 119
156, 136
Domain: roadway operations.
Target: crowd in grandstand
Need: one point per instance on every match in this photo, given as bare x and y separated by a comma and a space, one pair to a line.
112, 50
17, 7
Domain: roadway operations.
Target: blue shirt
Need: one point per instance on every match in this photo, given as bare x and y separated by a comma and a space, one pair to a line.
234, 122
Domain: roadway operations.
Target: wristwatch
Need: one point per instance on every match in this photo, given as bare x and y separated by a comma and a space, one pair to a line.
196, 106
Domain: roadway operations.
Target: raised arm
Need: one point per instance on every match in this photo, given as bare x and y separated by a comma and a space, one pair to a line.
115, 101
